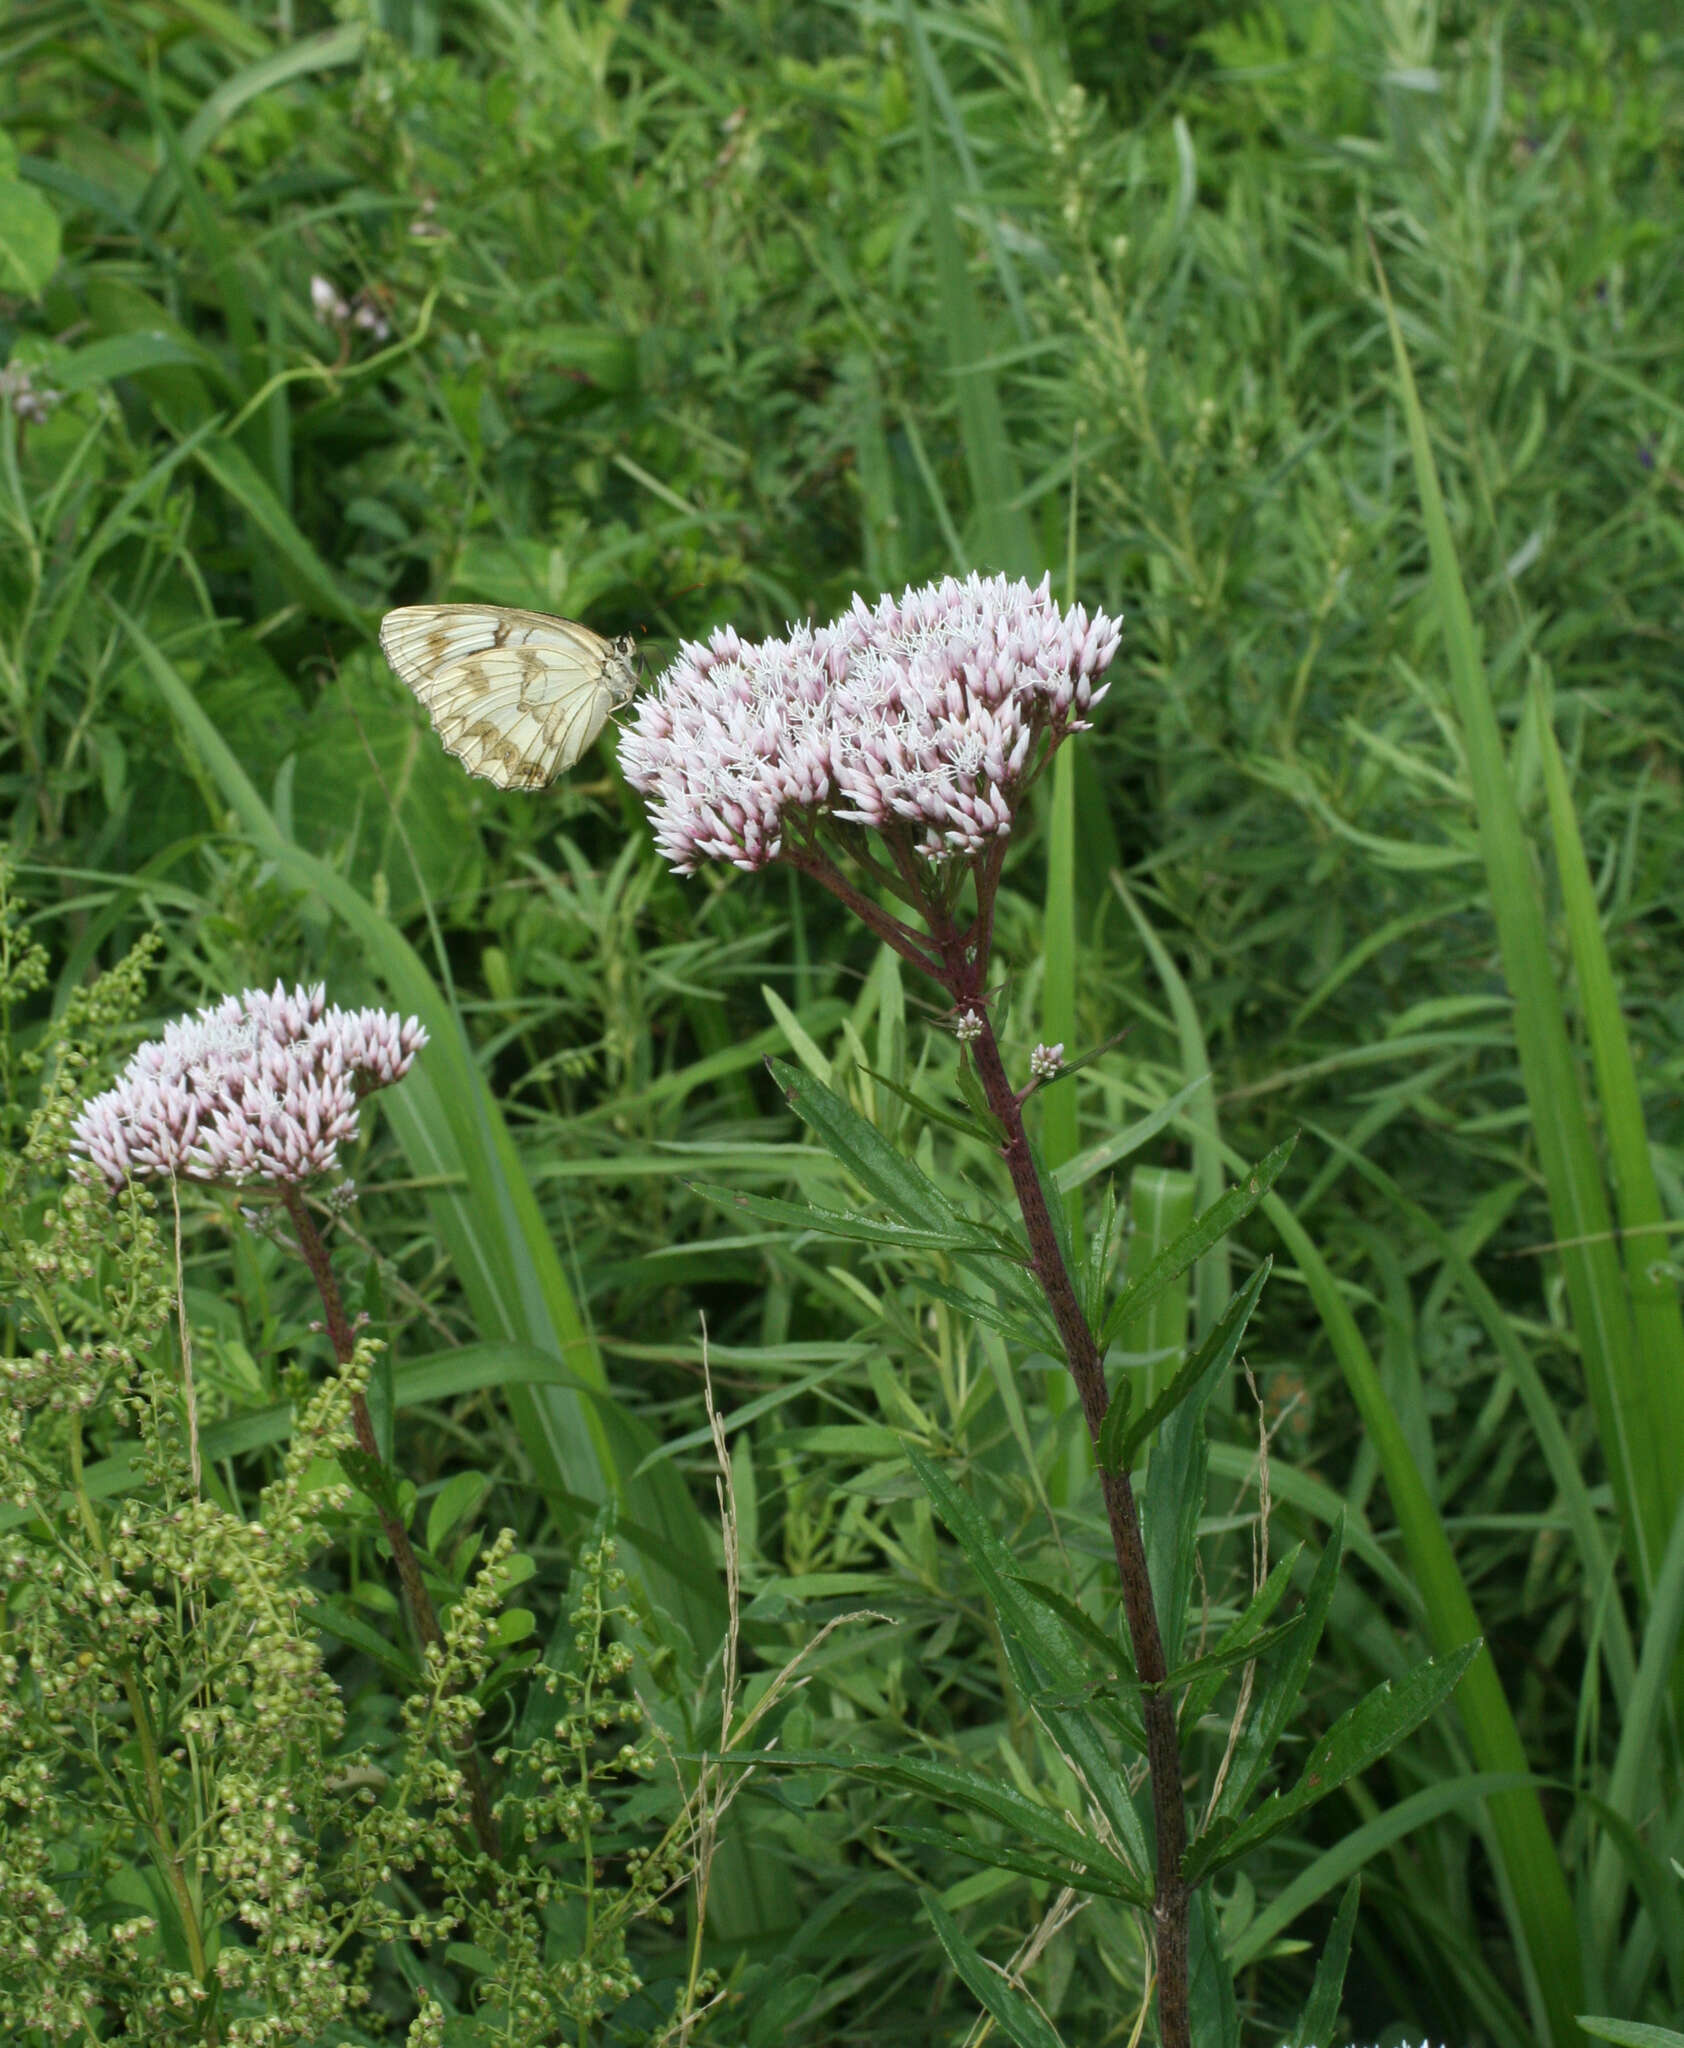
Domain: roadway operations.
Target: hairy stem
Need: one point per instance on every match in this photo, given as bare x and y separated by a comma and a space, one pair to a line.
417, 1599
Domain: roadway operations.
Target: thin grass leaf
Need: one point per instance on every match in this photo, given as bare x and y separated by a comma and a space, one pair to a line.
1542, 1920
1461, 1795
1658, 1322
1627, 1420
1021, 2022
1321, 2014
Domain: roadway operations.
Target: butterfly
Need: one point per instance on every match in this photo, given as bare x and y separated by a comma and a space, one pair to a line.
516, 696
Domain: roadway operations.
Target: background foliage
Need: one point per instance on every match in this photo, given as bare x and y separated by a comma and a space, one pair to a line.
667, 316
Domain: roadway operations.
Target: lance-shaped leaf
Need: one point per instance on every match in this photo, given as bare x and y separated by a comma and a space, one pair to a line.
1017, 2019
1356, 1740
1039, 1653
1078, 1859
1321, 2011
1220, 1345
1192, 1244
955, 1237
1280, 1694
1244, 1638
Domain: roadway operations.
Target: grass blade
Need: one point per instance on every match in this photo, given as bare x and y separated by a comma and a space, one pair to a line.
1626, 1419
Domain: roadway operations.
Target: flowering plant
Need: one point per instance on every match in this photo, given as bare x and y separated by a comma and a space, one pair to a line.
887, 756
202, 1838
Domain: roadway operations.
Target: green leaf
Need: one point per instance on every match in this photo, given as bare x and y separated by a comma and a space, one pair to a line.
1357, 1739
1321, 2010
1081, 1856
335, 1619
1216, 1351
236, 474
1034, 1331
1279, 1697
1631, 2033
839, 1223
1111, 1151
899, 1185
29, 240
933, 1112
1464, 1795
1038, 1650
1543, 1920
456, 1499
1629, 1404
1020, 2021
128, 355
1191, 1245
1243, 1638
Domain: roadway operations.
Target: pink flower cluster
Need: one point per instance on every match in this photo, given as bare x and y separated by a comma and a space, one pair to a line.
927, 711
254, 1088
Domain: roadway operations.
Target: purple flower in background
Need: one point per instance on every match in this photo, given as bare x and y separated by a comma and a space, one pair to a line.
258, 1087
924, 718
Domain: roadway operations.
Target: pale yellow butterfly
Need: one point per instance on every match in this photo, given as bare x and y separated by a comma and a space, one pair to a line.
516, 696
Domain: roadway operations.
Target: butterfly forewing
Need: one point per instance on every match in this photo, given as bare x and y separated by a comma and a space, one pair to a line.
516, 696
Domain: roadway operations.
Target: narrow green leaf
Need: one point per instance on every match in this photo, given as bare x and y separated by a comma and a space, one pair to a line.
1218, 1347
839, 1223
1243, 1638
861, 1147
1632, 2033
1357, 1739
932, 1111
1111, 1452
1038, 1651
1213, 1225
1280, 1696
1658, 1321
1462, 1795
1543, 1921
1018, 2020
1112, 1151
1628, 1423
296, 59
335, 1619
235, 473
969, 1791
1321, 2011
1211, 1282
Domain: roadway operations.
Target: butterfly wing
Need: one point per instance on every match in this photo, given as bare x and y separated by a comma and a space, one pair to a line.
516, 696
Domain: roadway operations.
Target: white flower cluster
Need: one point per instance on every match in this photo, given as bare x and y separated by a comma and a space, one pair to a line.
927, 711
258, 1087
1045, 1061
33, 403
333, 310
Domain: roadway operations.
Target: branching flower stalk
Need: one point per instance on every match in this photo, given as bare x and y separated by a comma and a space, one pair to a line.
900, 741
258, 1091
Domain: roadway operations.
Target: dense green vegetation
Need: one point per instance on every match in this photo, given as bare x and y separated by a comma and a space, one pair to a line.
664, 317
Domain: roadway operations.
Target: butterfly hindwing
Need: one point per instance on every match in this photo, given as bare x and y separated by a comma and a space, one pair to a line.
516, 696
